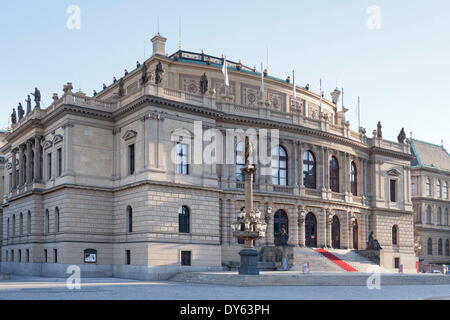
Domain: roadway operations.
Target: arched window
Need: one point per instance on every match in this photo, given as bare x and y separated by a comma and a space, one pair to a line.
309, 170
445, 192
429, 215
430, 247
279, 166
47, 222
354, 179
413, 186
438, 189
334, 174
56, 219
184, 220
129, 219
240, 161
440, 247
428, 188
447, 247
29, 223
21, 224
395, 236
439, 217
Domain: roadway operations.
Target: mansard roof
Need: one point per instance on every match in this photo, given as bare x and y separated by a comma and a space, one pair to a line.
429, 155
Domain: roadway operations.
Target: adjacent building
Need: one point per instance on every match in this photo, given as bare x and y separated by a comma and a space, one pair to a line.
430, 179
109, 182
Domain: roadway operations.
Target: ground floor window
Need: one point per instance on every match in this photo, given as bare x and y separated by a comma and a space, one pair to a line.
186, 258
397, 263
128, 257
55, 255
20, 255
45, 256
27, 255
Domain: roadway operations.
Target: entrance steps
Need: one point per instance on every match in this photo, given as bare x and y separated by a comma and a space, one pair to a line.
355, 260
316, 261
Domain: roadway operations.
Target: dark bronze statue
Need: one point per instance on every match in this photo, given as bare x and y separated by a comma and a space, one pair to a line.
121, 88
126, 72
159, 73
104, 86
144, 77
28, 101
284, 237
379, 132
114, 80
13, 117
37, 98
138, 64
204, 83
20, 111
373, 244
402, 136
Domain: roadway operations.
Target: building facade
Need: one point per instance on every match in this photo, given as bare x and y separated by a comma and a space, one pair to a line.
108, 183
430, 179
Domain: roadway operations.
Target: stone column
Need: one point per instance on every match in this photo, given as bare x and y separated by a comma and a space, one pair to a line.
68, 150
37, 159
302, 155
269, 221
322, 228
301, 225
326, 165
144, 148
329, 216
296, 164
13, 168
293, 226
21, 175
28, 164
345, 174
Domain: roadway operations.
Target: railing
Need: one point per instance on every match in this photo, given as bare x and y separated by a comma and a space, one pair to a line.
283, 189
313, 193
337, 196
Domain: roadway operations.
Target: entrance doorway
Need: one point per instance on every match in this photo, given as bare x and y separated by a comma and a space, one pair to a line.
336, 233
311, 230
281, 228
355, 235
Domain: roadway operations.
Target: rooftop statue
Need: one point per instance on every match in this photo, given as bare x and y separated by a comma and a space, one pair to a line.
121, 87
159, 73
114, 80
126, 72
28, 101
204, 83
335, 95
20, 111
13, 117
37, 98
379, 132
138, 64
144, 77
402, 136
104, 86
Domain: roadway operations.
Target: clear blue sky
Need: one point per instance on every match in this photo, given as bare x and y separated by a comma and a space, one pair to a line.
401, 71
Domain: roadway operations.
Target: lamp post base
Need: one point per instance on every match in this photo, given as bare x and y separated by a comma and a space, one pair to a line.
249, 262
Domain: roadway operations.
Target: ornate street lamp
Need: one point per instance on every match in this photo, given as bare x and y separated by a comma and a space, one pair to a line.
249, 226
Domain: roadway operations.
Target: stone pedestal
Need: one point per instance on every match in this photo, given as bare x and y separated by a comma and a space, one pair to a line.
249, 262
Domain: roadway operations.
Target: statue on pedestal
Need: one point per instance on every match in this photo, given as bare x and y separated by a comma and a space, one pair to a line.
402, 136
121, 92
373, 244
379, 132
13, 117
159, 73
144, 77
37, 98
204, 83
20, 111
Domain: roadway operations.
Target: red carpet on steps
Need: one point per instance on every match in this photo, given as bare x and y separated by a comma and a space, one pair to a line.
336, 260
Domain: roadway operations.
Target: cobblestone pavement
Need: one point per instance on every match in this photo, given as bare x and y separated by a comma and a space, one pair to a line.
119, 289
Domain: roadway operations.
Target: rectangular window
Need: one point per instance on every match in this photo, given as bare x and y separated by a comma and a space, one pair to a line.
55, 255
128, 257
393, 190
49, 165
27, 255
182, 166
59, 154
10, 181
6, 254
12, 255
397, 263
45, 256
20, 255
186, 258
131, 159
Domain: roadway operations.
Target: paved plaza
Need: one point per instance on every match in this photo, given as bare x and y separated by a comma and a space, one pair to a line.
20, 288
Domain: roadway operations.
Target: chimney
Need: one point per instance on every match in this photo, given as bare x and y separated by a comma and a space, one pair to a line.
159, 45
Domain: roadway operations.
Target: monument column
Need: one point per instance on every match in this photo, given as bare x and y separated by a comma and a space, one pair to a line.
28, 164
13, 168
269, 221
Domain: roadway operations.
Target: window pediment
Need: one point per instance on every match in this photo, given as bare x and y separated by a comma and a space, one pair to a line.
57, 139
130, 134
47, 144
394, 173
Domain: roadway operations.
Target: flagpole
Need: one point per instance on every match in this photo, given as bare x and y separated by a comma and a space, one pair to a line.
359, 113
261, 89
320, 95
294, 94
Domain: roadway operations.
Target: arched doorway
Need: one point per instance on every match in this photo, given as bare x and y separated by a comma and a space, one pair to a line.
311, 230
335, 233
355, 235
280, 228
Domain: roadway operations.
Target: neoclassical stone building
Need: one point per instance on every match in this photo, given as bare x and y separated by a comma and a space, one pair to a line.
108, 182
430, 179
